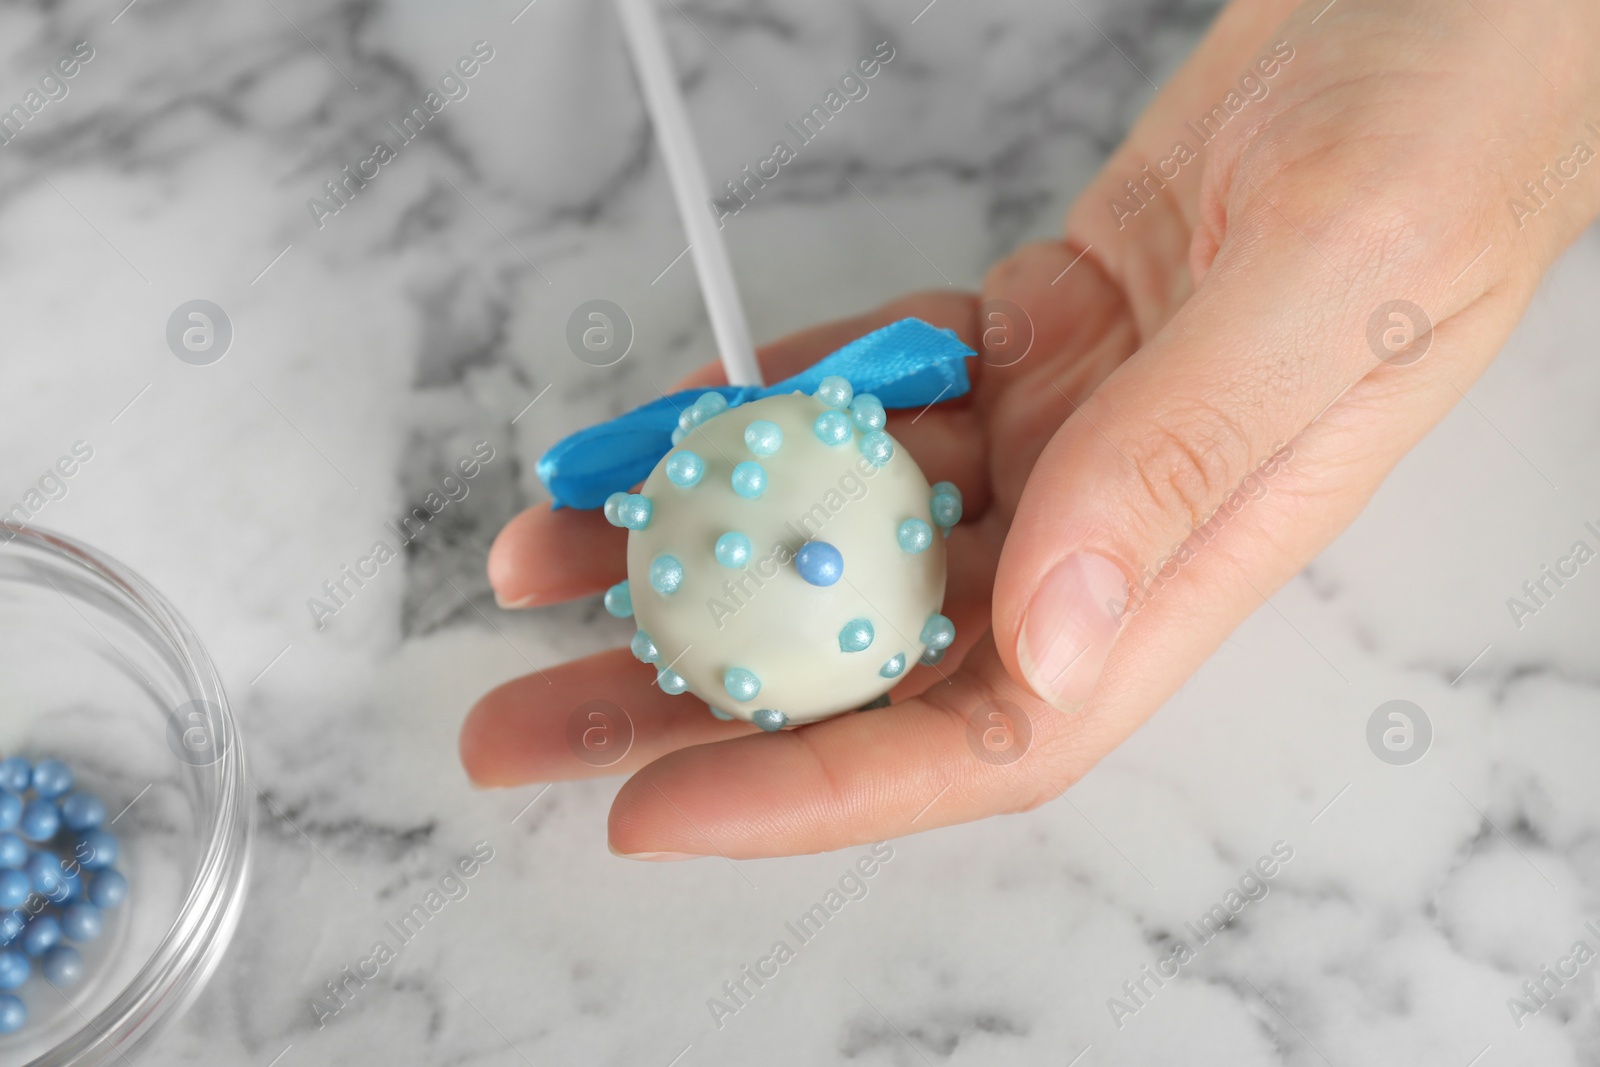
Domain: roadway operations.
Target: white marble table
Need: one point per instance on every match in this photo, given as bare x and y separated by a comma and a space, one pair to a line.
371, 352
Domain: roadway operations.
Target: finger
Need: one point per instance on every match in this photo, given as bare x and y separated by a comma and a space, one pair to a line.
849, 780
545, 557
524, 730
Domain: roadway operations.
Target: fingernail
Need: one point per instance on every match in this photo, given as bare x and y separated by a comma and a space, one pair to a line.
1069, 627
653, 857
512, 605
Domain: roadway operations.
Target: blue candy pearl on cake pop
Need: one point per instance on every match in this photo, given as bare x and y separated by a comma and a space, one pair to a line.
644, 648
710, 405
835, 391
866, 411
635, 511
938, 632
856, 636
619, 600
770, 719
749, 479
732, 549
877, 448
671, 682
763, 437
895, 667
914, 536
946, 509
666, 574
742, 685
685, 469
832, 427
819, 563
613, 502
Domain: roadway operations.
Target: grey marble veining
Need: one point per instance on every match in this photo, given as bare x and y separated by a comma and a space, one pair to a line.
372, 352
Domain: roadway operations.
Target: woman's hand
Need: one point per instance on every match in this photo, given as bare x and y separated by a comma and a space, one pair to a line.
1311, 244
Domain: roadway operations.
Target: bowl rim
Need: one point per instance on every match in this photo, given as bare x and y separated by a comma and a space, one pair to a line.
177, 970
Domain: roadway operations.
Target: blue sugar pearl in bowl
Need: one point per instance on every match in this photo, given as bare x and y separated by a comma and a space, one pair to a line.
832, 427
44, 872
51, 778
835, 391
14, 969
15, 886
82, 811
42, 934
685, 469
12, 923
81, 922
742, 685
96, 849
108, 889
13, 850
13, 1016
763, 437
16, 774
749, 479
819, 563
62, 967
732, 549
40, 820
10, 810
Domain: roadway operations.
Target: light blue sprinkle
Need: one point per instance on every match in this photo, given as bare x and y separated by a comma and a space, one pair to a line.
946, 508
720, 714
688, 419
613, 504
832, 427
877, 447
685, 469
635, 511
733, 549
866, 411
666, 574
770, 719
671, 682
749, 479
763, 437
678, 435
644, 648
619, 600
894, 668
914, 536
835, 391
938, 632
881, 702
947, 487
856, 636
742, 685
932, 657
711, 405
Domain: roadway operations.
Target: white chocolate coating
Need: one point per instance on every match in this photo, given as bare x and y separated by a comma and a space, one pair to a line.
764, 617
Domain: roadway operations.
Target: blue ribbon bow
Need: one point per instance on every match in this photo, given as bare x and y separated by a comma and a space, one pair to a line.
906, 364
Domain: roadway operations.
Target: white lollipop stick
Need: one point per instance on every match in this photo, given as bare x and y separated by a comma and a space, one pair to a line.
689, 187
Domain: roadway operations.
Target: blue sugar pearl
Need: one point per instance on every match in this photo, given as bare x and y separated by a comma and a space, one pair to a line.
635, 511
671, 682
13, 1015
718, 713
866, 411
108, 890
613, 503
931, 657
819, 563
14, 969
832, 427
710, 405
946, 509
770, 719
946, 487
96, 849
62, 967
15, 886
40, 820
13, 851
763, 437
733, 549
12, 923
749, 479
51, 778
82, 922
835, 391
42, 934
894, 668
619, 600
685, 469
742, 685
938, 632
644, 648
688, 419
666, 574
44, 872
10, 809
71, 889
856, 636
881, 702
16, 774
877, 448
678, 435
914, 536
82, 811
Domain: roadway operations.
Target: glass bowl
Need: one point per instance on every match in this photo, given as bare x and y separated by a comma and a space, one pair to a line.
98, 670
